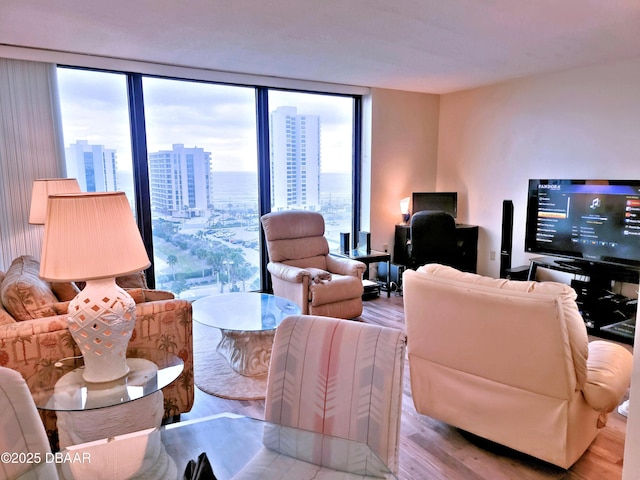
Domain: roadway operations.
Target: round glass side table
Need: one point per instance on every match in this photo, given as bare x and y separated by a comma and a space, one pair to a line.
60, 386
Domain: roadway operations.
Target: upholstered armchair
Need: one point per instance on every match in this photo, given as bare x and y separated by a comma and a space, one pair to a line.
510, 362
34, 331
303, 271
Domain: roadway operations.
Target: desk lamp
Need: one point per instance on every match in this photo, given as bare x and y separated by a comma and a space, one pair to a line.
404, 210
40, 192
94, 237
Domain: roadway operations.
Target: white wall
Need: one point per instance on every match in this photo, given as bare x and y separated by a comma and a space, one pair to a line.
400, 156
582, 123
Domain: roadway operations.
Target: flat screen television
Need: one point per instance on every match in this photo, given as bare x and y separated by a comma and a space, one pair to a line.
445, 201
593, 221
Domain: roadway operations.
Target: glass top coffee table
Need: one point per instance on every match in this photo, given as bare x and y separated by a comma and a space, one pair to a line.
60, 386
248, 322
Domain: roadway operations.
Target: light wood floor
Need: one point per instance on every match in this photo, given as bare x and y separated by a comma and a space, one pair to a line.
430, 449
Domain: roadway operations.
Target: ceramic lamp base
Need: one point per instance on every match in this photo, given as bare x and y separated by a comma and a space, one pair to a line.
101, 320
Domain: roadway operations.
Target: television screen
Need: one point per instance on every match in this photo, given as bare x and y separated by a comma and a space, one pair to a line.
591, 220
445, 201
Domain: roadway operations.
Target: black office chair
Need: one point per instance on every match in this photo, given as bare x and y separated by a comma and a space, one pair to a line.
433, 239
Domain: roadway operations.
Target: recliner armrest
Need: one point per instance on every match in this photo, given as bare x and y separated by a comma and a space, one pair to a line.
345, 266
608, 375
288, 273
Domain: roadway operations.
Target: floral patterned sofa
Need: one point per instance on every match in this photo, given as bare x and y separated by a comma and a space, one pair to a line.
34, 333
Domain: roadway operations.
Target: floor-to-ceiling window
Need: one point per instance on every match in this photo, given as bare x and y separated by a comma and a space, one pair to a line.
311, 150
201, 160
203, 175
97, 137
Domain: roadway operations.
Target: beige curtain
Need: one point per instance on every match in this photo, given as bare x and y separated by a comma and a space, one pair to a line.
31, 147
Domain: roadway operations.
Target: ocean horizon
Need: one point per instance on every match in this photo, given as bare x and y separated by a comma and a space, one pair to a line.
242, 187
235, 187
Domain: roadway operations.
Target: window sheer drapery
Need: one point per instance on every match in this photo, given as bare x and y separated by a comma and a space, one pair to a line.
31, 147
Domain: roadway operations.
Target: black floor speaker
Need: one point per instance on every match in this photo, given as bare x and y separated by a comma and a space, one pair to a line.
395, 280
506, 242
345, 242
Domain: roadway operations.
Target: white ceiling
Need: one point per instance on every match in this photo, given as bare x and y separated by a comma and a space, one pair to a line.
435, 46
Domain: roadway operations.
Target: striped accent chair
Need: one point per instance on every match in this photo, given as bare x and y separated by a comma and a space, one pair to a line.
21, 431
342, 379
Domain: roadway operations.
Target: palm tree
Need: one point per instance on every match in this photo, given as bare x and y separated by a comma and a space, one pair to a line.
22, 341
186, 382
166, 342
172, 260
185, 322
148, 318
244, 273
170, 408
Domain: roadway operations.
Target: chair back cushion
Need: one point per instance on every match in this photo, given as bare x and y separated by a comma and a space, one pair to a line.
528, 335
433, 238
341, 378
295, 235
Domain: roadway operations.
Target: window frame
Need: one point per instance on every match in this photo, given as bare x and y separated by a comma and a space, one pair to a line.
139, 152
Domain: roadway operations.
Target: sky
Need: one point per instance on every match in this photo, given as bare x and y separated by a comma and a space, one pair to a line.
218, 118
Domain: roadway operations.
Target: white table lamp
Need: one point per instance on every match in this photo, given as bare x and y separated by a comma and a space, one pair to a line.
94, 237
40, 192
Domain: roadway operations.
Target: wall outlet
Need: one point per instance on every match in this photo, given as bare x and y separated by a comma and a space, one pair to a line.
492, 256
385, 247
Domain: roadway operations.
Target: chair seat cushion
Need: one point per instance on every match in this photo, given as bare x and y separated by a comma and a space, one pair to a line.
339, 288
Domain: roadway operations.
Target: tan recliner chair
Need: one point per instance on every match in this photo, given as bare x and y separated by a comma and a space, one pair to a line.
510, 362
303, 271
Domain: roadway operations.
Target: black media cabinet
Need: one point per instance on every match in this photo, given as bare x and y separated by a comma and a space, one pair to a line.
606, 314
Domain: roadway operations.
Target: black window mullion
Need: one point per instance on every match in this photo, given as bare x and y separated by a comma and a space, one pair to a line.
141, 167
264, 177
357, 168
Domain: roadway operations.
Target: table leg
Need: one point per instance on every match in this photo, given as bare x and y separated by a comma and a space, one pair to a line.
389, 278
248, 353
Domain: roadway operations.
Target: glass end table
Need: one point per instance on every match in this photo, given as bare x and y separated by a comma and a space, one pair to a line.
60, 386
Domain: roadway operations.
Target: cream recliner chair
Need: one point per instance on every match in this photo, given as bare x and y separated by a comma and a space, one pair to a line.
303, 271
510, 362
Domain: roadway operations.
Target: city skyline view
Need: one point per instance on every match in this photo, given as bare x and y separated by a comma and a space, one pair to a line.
202, 156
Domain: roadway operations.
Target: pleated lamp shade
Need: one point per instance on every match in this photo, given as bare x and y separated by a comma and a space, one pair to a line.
90, 236
40, 192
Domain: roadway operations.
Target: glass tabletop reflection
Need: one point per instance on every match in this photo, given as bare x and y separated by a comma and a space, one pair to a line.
236, 446
246, 312
60, 386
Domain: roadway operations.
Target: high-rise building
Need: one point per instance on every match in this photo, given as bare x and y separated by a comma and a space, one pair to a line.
94, 166
180, 181
295, 160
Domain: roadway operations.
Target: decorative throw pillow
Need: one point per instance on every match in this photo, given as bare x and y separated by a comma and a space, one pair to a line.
5, 318
133, 280
137, 294
61, 308
65, 291
23, 293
